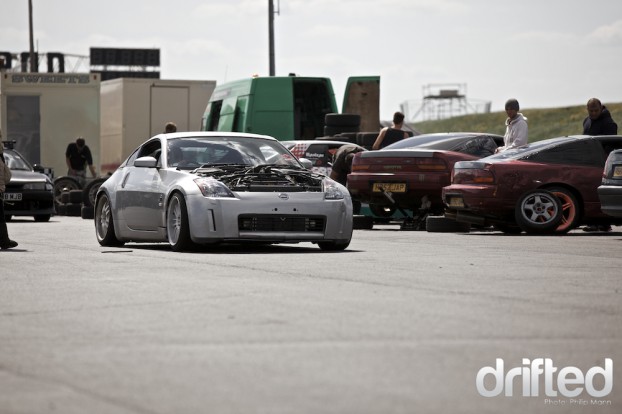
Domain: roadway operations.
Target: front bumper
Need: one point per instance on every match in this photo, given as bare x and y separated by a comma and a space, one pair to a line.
33, 202
264, 217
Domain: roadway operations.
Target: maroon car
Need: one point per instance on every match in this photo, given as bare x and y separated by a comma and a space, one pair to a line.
410, 174
548, 186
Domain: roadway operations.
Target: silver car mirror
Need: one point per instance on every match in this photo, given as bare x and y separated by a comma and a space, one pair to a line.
307, 163
146, 162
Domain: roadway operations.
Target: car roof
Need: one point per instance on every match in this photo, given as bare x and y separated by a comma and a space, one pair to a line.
418, 140
537, 146
208, 134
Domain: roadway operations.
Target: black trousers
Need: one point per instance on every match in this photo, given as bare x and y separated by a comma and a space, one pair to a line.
4, 234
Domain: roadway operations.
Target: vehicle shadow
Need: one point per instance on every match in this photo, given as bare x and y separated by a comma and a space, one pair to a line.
229, 248
574, 233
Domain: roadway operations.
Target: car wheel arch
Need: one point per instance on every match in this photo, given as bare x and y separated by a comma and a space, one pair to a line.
578, 199
570, 188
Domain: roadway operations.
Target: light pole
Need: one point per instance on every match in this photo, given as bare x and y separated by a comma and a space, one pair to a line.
271, 13
33, 63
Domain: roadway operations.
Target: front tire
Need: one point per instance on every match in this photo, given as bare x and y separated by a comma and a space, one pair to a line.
538, 212
104, 224
177, 226
334, 246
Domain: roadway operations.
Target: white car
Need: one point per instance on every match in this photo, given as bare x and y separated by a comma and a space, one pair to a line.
212, 187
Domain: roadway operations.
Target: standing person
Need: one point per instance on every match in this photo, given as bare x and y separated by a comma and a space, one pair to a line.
170, 127
342, 166
78, 156
394, 133
5, 177
516, 129
598, 120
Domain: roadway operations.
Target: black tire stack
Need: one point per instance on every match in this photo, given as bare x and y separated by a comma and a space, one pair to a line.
346, 127
71, 203
335, 124
73, 200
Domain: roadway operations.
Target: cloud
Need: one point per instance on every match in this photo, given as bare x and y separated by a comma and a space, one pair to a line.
607, 35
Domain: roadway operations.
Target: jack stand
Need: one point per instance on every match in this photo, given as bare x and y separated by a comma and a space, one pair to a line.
414, 222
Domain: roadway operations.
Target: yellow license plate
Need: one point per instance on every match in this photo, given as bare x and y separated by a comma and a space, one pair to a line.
456, 202
617, 171
389, 187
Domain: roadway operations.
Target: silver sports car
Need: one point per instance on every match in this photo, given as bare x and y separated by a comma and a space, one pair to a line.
214, 187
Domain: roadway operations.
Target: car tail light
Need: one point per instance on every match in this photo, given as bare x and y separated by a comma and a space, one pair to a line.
613, 169
360, 167
472, 176
613, 165
430, 164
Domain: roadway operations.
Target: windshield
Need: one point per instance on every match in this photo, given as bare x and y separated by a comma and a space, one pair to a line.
530, 149
194, 152
419, 140
15, 161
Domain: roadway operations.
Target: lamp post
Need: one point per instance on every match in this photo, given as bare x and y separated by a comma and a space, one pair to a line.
33, 60
271, 13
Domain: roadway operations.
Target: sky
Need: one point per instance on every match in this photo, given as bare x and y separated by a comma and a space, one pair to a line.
545, 53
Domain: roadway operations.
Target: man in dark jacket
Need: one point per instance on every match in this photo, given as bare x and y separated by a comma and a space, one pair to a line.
598, 121
342, 166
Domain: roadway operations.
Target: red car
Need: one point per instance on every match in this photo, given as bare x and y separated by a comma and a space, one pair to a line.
548, 186
410, 174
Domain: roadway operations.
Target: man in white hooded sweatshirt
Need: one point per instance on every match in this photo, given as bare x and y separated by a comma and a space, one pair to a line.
515, 127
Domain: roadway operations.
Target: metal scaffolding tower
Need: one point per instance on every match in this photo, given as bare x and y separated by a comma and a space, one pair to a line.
441, 101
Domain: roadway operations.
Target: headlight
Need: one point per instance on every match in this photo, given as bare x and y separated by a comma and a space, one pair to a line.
213, 188
332, 191
36, 186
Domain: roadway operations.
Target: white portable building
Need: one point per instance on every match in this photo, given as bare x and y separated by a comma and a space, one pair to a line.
133, 110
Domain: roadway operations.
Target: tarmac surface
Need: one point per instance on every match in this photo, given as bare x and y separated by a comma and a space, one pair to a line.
400, 322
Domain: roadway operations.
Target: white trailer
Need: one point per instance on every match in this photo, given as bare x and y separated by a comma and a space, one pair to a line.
133, 110
43, 112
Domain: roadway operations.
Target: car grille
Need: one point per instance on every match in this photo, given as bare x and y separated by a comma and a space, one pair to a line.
281, 223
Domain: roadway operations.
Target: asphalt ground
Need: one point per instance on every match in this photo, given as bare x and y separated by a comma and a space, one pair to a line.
401, 322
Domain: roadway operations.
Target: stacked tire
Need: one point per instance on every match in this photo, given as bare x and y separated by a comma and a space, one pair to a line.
71, 203
88, 198
71, 199
335, 124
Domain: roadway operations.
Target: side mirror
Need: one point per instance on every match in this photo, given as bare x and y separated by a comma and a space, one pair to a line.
146, 162
307, 163
38, 168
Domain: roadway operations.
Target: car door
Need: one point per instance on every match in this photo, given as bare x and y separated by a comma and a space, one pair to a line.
140, 195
